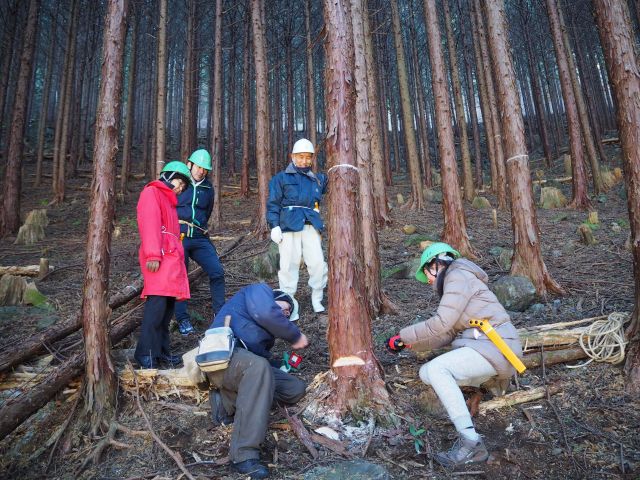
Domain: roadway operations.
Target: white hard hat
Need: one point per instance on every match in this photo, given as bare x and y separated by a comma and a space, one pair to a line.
303, 146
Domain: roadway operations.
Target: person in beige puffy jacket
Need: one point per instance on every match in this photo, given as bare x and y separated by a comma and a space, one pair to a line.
474, 359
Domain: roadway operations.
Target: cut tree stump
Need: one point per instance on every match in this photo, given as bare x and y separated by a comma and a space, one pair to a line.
29, 234
586, 234
11, 289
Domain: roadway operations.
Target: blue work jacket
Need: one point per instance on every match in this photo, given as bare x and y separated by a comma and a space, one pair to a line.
194, 206
257, 320
293, 195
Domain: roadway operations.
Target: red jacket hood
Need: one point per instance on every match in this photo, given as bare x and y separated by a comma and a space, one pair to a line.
165, 189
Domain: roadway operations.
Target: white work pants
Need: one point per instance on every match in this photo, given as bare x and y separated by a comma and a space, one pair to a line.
447, 372
295, 246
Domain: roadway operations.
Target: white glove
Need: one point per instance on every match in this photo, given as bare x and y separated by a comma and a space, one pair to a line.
276, 234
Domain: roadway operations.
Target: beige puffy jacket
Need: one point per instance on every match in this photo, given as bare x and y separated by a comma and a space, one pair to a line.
467, 296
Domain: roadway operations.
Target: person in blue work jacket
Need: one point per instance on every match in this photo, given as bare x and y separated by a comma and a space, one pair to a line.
194, 209
293, 213
244, 392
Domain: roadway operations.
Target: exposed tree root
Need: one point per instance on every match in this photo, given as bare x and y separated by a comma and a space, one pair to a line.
107, 440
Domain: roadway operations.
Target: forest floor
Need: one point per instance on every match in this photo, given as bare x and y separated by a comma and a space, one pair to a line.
590, 429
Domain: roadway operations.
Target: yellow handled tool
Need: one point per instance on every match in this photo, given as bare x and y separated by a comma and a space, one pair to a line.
497, 340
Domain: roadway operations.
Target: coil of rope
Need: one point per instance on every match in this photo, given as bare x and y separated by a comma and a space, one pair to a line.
604, 340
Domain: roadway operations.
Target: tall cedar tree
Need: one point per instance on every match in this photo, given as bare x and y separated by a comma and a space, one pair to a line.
217, 143
132, 68
355, 375
527, 257
621, 56
100, 384
411, 147
263, 146
455, 228
161, 92
10, 221
580, 196
311, 89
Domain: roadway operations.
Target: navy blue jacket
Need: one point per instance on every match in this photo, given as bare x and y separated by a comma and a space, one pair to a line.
257, 320
288, 191
194, 206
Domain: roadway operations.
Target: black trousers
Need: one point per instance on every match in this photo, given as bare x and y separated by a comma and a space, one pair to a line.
154, 332
248, 387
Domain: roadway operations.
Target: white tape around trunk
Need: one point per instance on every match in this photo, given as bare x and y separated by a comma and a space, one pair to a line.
345, 165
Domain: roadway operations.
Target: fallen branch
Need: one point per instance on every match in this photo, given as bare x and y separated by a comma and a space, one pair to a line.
301, 432
515, 398
172, 454
26, 271
333, 445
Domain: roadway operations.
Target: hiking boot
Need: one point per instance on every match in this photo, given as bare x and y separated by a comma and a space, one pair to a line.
185, 327
219, 415
146, 361
463, 452
170, 360
251, 467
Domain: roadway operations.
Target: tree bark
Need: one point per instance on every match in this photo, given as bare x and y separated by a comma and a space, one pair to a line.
618, 42
65, 108
455, 228
189, 103
263, 147
44, 107
413, 163
499, 181
467, 175
216, 120
245, 188
12, 187
585, 124
381, 205
311, 89
527, 257
131, 101
355, 376
100, 386
580, 196
161, 92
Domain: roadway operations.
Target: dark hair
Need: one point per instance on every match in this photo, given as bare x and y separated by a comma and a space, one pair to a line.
440, 278
280, 296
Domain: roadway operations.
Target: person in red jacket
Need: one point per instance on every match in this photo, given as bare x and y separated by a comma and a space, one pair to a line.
161, 259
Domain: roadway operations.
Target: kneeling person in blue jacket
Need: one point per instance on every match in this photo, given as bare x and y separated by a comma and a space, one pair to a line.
194, 209
244, 392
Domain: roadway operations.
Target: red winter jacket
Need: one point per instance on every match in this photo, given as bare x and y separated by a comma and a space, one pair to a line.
160, 240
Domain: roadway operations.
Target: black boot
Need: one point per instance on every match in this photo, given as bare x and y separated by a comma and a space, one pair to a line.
219, 415
146, 361
251, 467
171, 360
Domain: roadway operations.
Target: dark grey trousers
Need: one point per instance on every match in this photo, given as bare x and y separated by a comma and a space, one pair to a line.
248, 387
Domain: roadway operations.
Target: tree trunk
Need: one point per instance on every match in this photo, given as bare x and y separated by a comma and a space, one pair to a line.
537, 96
64, 107
12, 174
311, 90
467, 175
472, 101
44, 107
499, 182
585, 124
618, 44
413, 163
100, 386
216, 120
161, 92
263, 147
355, 376
527, 258
188, 93
131, 100
7, 57
580, 196
455, 228
245, 188
381, 205
289, 76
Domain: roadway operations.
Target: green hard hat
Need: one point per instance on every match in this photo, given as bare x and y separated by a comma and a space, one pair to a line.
431, 252
177, 167
201, 158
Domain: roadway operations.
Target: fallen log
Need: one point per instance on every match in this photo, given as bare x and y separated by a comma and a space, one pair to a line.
515, 398
17, 410
26, 271
551, 357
